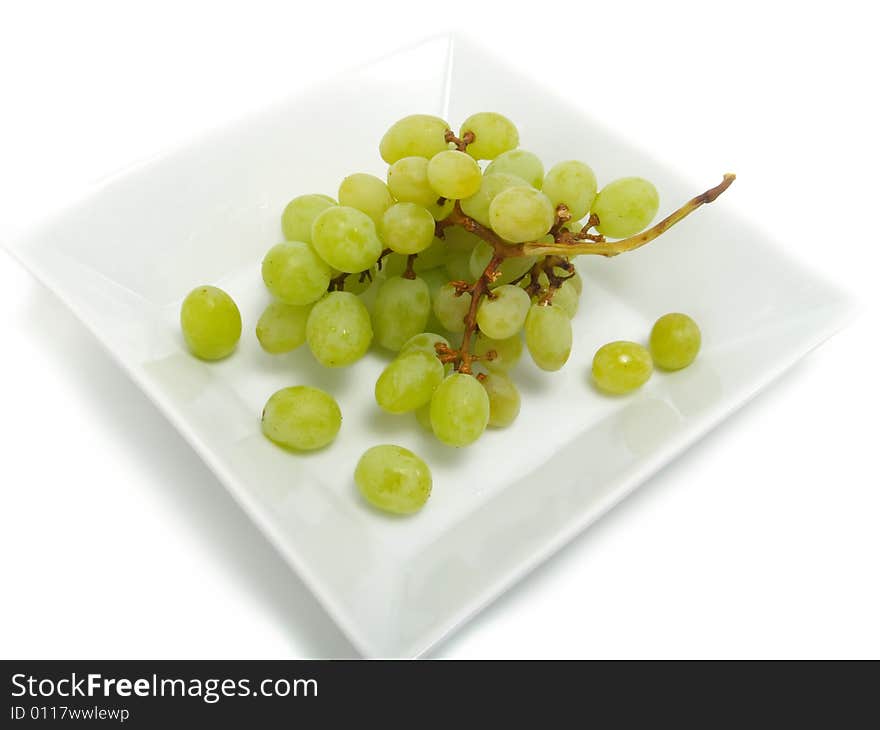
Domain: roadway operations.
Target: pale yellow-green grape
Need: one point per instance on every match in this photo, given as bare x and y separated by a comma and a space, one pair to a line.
423, 416
408, 382
301, 418
477, 205
567, 299
572, 184
451, 308
520, 163
504, 399
510, 269
502, 313
548, 336
282, 327
493, 134
393, 479
435, 279
294, 273
211, 323
459, 410
675, 341
576, 282
338, 330
423, 342
400, 311
358, 282
346, 239
454, 175
521, 214
300, 213
407, 228
621, 367
625, 207
366, 193
507, 352
457, 238
418, 135
458, 266
408, 182
442, 210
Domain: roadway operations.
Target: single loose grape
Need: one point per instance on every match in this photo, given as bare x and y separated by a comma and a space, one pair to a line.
301, 418
300, 213
338, 331
507, 352
418, 135
210, 322
675, 341
572, 184
502, 313
408, 182
504, 400
625, 207
407, 228
408, 382
366, 193
548, 336
451, 308
459, 410
521, 214
454, 175
393, 479
521, 163
400, 311
493, 134
294, 273
282, 327
621, 367
477, 205
346, 239
423, 342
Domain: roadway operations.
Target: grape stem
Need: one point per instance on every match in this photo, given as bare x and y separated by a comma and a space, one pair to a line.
462, 142
565, 243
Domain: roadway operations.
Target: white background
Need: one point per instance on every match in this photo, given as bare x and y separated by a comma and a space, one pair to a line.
762, 541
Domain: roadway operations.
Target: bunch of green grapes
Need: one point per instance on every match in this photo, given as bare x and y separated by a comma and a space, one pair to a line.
428, 264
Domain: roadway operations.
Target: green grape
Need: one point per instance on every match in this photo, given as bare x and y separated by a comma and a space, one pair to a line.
408, 382
294, 273
418, 135
432, 257
423, 342
211, 323
301, 418
338, 330
366, 193
548, 336
442, 210
458, 266
521, 214
675, 341
282, 327
477, 205
577, 283
567, 299
454, 175
400, 311
572, 184
520, 163
493, 134
393, 479
502, 314
300, 213
358, 282
510, 269
504, 399
434, 278
459, 410
408, 182
423, 416
620, 367
507, 352
457, 238
625, 207
407, 228
346, 239
451, 308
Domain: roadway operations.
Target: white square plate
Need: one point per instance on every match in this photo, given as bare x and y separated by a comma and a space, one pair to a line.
123, 258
